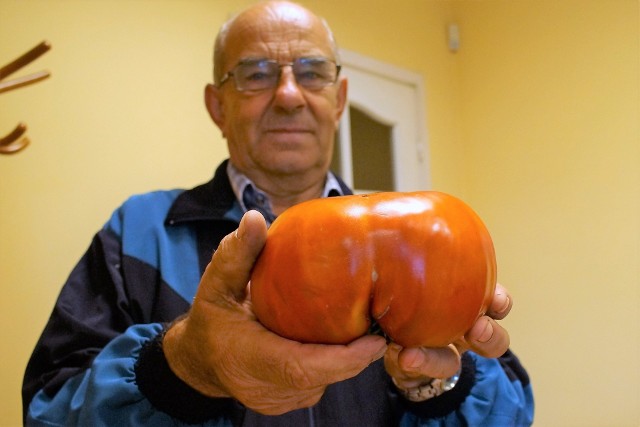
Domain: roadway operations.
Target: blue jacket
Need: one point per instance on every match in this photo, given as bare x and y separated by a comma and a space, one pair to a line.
99, 362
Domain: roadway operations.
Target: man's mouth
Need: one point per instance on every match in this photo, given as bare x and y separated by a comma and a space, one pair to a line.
288, 130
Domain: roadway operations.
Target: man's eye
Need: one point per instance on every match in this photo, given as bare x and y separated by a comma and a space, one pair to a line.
309, 75
258, 76
313, 74
256, 72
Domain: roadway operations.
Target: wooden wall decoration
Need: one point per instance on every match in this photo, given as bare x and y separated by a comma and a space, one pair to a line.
16, 140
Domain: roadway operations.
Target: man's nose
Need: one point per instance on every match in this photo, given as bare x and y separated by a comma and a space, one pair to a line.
288, 95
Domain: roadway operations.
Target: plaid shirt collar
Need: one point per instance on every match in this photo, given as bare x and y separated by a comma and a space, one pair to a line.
251, 197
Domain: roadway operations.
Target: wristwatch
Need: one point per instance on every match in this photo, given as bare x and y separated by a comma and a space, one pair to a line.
431, 389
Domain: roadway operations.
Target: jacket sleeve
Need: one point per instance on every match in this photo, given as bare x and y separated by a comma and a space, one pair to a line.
490, 392
98, 361
83, 369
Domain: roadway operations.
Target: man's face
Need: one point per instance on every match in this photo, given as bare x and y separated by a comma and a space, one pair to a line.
287, 130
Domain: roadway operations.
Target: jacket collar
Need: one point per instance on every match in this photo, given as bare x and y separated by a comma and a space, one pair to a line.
212, 200
206, 202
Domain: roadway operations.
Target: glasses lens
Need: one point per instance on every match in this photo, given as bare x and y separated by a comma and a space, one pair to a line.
315, 73
256, 75
310, 73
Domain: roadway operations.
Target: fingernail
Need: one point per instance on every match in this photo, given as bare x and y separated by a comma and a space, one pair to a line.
379, 353
395, 347
240, 231
414, 364
505, 303
486, 334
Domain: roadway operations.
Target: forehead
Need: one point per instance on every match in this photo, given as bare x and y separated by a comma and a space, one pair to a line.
282, 33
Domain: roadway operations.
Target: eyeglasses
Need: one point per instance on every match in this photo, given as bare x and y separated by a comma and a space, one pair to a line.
261, 74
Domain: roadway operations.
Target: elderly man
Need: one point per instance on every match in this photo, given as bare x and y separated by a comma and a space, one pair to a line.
150, 330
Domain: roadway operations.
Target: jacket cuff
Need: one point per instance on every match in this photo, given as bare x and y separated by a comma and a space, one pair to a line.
447, 402
169, 394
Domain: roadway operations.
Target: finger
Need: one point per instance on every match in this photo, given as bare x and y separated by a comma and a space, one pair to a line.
431, 362
488, 338
230, 268
337, 363
314, 365
501, 303
412, 365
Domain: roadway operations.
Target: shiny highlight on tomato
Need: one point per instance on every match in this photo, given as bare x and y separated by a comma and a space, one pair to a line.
422, 265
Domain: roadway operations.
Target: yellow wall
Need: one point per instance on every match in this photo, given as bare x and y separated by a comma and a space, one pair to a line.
534, 122
550, 120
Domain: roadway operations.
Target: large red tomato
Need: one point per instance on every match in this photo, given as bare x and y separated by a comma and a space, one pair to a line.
421, 265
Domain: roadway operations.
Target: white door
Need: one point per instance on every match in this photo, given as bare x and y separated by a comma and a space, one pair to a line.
382, 144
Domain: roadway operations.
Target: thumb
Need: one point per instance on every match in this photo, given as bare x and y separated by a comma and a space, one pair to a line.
230, 268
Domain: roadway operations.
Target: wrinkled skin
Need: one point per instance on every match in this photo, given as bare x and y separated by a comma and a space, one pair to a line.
220, 348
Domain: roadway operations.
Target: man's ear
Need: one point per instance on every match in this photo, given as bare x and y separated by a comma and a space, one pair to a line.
341, 98
213, 102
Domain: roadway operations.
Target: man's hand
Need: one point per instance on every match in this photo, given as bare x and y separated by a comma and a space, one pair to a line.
411, 367
221, 350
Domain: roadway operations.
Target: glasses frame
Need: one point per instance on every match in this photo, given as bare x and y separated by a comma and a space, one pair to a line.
231, 73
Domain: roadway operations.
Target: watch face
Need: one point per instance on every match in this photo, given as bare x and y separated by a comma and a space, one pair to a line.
449, 383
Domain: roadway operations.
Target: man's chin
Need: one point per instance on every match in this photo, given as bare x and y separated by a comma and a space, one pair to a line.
295, 166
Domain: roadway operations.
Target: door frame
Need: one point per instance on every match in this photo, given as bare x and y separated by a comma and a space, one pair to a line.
392, 72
